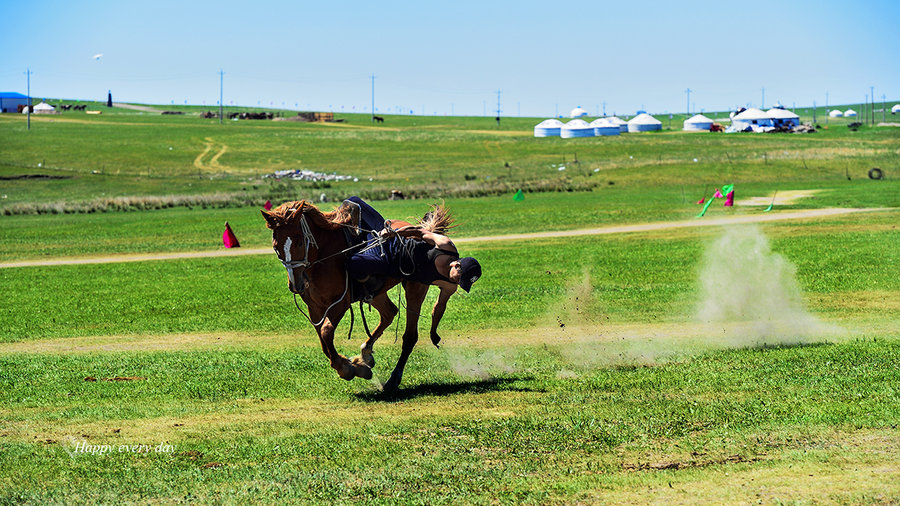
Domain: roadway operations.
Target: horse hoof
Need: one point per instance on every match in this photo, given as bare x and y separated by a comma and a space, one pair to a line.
390, 386
365, 358
363, 372
348, 371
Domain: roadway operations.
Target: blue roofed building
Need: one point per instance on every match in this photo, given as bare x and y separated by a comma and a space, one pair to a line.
11, 101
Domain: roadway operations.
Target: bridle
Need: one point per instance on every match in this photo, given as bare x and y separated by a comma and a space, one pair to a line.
308, 240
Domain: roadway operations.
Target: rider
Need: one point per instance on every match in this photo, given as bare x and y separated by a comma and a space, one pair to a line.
410, 253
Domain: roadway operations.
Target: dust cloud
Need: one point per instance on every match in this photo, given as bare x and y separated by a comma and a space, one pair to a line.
754, 292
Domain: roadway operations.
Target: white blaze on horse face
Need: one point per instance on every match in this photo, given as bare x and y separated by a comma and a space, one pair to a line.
287, 260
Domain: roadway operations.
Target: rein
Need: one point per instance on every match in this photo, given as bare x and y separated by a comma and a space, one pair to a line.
346, 287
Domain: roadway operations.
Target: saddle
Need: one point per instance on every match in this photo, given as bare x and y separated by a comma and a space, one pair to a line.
361, 291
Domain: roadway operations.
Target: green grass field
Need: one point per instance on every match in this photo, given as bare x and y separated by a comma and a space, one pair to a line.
722, 364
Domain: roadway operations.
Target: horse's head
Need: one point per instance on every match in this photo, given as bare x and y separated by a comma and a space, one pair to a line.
292, 240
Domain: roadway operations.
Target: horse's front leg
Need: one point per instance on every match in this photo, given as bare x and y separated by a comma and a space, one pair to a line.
345, 369
387, 310
415, 296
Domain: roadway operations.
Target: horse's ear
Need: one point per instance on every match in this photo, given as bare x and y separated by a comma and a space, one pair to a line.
271, 220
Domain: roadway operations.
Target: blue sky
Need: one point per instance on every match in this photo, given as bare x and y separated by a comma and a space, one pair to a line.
445, 57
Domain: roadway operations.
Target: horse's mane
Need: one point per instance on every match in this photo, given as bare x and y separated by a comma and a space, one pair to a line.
289, 213
437, 220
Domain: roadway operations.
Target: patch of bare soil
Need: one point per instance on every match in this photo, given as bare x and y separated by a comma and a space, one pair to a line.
116, 378
697, 460
142, 108
781, 198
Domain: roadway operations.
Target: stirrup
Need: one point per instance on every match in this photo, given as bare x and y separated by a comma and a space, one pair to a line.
353, 209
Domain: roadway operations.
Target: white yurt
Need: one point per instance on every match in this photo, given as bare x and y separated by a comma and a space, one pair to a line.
895, 109
548, 128
752, 118
576, 128
577, 112
697, 123
835, 114
619, 122
44, 108
644, 123
849, 113
783, 117
602, 127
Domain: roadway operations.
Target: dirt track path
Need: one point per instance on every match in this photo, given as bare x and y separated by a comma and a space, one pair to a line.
142, 108
613, 229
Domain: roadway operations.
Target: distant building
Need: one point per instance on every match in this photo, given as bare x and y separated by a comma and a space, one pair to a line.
10, 101
752, 119
643, 122
783, 118
577, 112
548, 128
697, 123
576, 128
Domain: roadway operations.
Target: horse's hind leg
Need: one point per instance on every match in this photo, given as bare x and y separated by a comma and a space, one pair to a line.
415, 296
387, 310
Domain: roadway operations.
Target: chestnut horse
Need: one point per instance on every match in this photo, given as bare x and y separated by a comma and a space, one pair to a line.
313, 245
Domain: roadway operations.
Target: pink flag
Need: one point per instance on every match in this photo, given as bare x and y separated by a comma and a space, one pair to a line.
729, 199
718, 194
702, 200
229, 239
268, 205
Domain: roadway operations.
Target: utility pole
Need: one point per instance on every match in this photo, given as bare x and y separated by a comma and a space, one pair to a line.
604, 109
221, 104
28, 99
688, 91
498, 108
373, 98
872, 95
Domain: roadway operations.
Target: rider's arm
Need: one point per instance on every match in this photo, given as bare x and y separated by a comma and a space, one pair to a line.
447, 289
440, 241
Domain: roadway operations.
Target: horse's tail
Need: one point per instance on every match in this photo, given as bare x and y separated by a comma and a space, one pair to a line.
438, 219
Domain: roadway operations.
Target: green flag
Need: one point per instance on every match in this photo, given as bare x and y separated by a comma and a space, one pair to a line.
519, 196
772, 204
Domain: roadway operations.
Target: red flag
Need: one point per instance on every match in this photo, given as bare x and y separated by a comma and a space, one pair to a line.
729, 199
268, 205
229, 239
702, 200
718, 194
